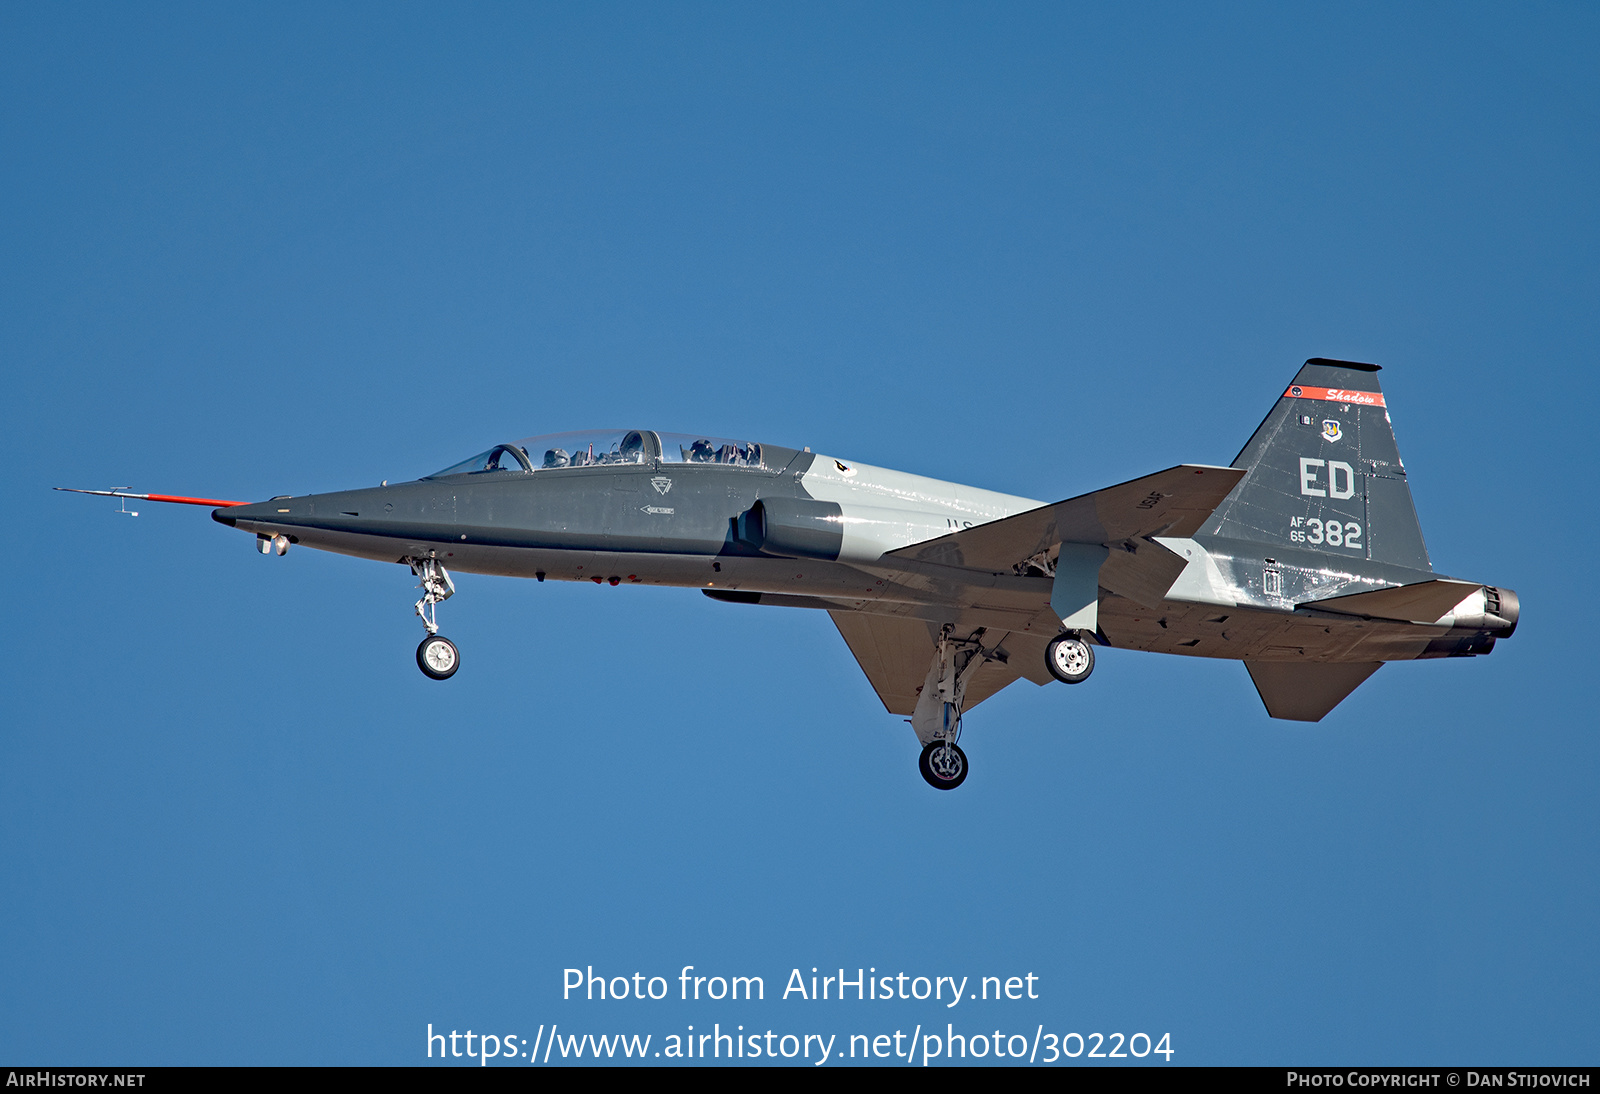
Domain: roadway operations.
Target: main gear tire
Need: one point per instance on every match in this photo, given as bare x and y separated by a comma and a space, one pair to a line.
943, 765
438, 657
1069, 658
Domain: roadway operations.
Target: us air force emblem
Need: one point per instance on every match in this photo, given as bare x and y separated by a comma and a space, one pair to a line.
1330, 430
663, 484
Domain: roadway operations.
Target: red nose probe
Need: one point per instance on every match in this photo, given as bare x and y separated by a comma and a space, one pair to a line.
210, 502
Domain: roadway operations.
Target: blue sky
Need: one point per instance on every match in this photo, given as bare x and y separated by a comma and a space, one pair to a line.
255, 250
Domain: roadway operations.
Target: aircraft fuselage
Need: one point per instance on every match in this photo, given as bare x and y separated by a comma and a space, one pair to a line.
1303, 559
679, 525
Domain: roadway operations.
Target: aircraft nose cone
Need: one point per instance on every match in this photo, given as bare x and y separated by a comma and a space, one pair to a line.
278, 509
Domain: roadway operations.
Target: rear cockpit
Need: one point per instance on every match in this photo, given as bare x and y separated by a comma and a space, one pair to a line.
611, 447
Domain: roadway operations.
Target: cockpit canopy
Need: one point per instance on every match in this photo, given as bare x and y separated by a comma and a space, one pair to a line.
608, 447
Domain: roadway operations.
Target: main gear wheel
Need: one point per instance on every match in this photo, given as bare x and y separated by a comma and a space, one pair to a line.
943, 765
1069, 658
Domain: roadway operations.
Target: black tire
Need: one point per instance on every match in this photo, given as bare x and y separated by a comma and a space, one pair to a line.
1069, 658
945, 771
438, 657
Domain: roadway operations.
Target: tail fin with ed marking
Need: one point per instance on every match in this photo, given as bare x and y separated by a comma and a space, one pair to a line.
1323, 473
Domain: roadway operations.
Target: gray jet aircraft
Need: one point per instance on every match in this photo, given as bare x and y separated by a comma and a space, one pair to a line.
1303, 559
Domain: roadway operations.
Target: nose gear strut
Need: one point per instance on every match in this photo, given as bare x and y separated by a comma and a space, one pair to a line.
436, 586
437, 656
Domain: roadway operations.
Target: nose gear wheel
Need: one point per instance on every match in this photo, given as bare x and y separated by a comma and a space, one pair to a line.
438, 657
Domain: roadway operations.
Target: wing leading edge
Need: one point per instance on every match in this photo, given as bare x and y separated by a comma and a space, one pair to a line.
1174, 502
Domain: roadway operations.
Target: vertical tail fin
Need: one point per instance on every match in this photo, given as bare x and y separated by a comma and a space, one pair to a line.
1324, 473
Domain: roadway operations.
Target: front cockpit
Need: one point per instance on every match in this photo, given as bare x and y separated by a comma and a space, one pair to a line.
612, 447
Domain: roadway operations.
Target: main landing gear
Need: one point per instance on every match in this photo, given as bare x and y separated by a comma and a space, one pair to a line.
943, 764
1069, 658
937, 717
437, 656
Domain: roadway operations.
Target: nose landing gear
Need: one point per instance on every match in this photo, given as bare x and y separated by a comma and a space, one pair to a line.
437, 656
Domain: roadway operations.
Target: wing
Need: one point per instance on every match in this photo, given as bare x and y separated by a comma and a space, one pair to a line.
895, 654
1174, 502
1122, 518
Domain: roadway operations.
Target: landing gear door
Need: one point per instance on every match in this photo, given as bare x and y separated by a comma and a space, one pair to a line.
1075, 596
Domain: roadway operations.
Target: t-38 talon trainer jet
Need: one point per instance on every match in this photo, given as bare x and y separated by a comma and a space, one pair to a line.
1303, 559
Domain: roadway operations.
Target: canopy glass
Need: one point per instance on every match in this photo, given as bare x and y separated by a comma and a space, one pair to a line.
605, 448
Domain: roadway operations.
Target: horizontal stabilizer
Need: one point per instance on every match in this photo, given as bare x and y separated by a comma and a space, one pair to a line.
1301, 691
1174, 502
1423, 602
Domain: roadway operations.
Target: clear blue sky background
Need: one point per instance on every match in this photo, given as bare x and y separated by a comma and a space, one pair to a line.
252, 250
